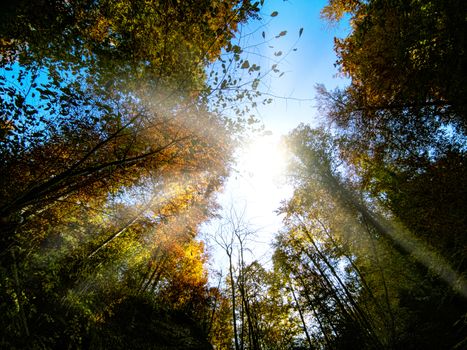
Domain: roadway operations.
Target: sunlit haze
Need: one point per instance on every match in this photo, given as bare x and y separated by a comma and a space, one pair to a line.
257, 187
263, 161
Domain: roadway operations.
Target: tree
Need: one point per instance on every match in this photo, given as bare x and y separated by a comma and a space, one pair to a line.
403, 111
340, 245
231, 238
420, 39
262, 316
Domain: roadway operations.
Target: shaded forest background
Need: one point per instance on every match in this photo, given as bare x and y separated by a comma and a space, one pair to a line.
114, 140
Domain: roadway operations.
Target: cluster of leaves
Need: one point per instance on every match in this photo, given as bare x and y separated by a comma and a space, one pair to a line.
166, 42
111, 155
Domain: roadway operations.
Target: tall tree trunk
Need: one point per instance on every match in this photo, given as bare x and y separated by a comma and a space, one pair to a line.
234, 306
19, 294
363, 319
299, 309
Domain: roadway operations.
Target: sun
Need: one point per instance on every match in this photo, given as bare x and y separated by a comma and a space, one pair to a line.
257, 187
263, 160
262, 164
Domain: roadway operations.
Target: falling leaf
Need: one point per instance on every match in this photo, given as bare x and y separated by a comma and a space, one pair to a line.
284, 32
255, 84
274, 14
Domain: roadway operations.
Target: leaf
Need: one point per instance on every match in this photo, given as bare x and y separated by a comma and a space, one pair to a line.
236, 49
263, 34
278, 53
255, 84
300, 32
274, 14
245, 64
284, 32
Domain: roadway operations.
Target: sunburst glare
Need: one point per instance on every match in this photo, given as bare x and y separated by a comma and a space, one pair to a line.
263, 161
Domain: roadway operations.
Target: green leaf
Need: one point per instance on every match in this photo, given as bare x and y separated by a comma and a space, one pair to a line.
236, 49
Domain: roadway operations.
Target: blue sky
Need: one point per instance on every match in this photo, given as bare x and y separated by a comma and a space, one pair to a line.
312, 62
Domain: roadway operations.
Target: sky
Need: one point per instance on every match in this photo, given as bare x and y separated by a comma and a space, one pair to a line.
311, 63
256, 188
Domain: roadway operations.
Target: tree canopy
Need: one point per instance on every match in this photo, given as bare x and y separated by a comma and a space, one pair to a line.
114, 142
110, 156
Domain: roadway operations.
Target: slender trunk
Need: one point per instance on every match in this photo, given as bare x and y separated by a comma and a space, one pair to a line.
299, 309
392, 327
145, 275
361, 316
234, 317
122, 229
156, 274
252, 336
19, 294
72, 177
318, 318
213, 313
362, 279
297, 276
329, 285
425, 259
